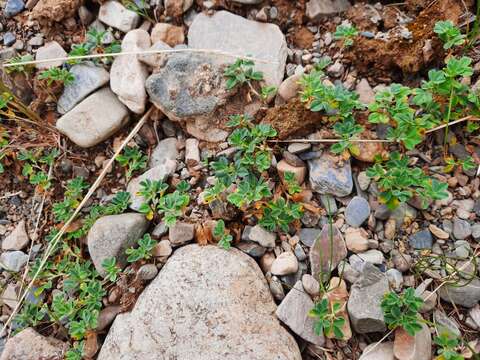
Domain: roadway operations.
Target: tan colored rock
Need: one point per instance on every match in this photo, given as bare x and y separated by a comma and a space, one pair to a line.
289, 88
390, 229
368, 150
356, 239
338, 294
439, 233
418, 347
114, 14
17, 239
299, 171
167, 33
30, 345
128, 74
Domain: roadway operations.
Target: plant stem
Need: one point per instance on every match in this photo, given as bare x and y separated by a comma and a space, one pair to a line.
449, 114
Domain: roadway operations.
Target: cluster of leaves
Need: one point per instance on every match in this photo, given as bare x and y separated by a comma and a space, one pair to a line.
466, 164
328, 318
447, 347
139, 7
143, 251
242, 72
133, 160
60, 75
36, 164
222, 235
93, 45
400, 182
157, 200
17, 67
242, 181
402, 311
449, 34
78, 301
346, 33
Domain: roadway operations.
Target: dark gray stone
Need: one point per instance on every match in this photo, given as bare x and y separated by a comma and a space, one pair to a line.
463, 292
357, 211
421, 240
307, 236
366, 296
327, 176
251, 248
9, 38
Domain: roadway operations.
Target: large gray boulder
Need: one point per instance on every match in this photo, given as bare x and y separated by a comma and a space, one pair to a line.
205, 304
111, 235
234, 34
464, 293
366, 296
191, 89
95, 119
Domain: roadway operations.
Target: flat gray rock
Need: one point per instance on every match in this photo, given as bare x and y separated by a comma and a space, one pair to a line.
366, 295
357, 211
95, 119
111, 235
317, 8
293, 312
13, 260
463, 293
88, 78
328, 176
192, 310
234, 34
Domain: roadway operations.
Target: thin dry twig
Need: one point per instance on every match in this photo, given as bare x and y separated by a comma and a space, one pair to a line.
141, 52
64, 228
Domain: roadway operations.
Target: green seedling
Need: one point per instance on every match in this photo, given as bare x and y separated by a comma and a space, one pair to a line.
60, 75
401, 311
133, 160
143, 251
328, 319
241, 72
447, 347
449, 34
347, 33
224, 238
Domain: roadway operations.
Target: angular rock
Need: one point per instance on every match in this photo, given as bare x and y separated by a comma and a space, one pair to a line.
13, 260
307, 236
365, 92
107, 315
286, 263
259, 235
176, 8
164, 152
357, 211
95, 119
167, 33
418, 347
439, 233
375, 351
9, 39
30, 345
327, 251
128, 74
317, 8
181, 233
463, 293
356, 240
51, 50
310, 285
111, 235
289, 88
116, 15
445, 325
10, 296
17, 239
233, 306
163, 249
192, 152
421, 240
293, 312
373, 256
366, 296
231, 33
327, 176
251, 248
88, 78
158, 173
147, 272
157, 60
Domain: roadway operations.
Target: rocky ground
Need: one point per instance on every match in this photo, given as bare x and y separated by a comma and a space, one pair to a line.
180, 295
